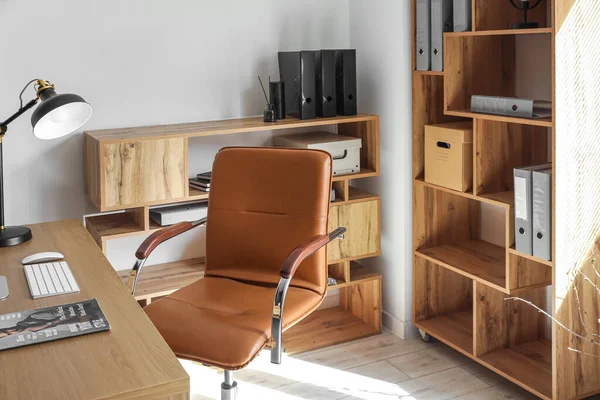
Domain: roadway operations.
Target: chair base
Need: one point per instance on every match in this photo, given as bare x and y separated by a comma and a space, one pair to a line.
229, 388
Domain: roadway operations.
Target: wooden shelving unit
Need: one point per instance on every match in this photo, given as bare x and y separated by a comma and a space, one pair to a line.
128, 171
461, 281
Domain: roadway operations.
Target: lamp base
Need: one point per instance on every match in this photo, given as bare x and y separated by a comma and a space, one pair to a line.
526, 25
14, 235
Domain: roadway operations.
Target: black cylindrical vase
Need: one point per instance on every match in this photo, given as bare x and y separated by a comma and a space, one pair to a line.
277, 96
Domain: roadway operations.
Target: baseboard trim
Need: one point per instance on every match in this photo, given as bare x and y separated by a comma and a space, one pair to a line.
402, 329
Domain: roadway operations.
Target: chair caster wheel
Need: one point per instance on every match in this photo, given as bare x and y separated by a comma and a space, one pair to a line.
425, 336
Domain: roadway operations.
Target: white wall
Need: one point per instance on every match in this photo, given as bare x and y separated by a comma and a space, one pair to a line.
139, 62
380, 32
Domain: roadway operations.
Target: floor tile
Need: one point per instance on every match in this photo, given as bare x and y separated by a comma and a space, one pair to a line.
485, 374
436, 358
381, 370
364, 351
502, 392
443, 385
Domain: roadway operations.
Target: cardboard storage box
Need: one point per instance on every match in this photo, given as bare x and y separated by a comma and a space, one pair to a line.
449, 155
345, 150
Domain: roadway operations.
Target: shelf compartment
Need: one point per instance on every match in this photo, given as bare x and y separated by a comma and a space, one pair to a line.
443, 305
500, 15
466, 113
163, 279
358, 274
112, 226
499, 148
475, 259
456, 330
529, 365
511, 337
495, 65
326, 327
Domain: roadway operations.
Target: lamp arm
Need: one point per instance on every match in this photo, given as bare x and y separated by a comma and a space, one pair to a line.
20, 111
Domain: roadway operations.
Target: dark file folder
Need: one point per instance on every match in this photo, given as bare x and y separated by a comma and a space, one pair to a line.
325, 83
345, 69
297, 70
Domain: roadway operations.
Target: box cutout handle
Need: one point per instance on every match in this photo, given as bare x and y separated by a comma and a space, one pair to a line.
443, 145
342, 157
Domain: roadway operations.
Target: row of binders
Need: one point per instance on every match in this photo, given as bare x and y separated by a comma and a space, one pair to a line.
434, 17
533, 210
319, 83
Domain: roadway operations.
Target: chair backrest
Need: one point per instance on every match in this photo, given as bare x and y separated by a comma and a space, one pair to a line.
263, 203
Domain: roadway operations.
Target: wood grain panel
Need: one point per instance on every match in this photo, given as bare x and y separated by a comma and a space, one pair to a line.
491, 323
483, 65
438, 291
441, 217
131, 361
500, 14
526, 324
523, 272
92, 174
362, 237
364, 301
500, 147
140, 172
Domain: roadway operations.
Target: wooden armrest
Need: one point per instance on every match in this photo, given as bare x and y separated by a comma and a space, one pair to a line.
163, 235
300, 253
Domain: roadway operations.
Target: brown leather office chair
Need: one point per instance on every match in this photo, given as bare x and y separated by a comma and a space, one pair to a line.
267, 215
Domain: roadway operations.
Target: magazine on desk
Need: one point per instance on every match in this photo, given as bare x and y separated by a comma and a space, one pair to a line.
51, 323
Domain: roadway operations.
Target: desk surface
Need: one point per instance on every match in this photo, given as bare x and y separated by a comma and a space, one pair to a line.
131, 361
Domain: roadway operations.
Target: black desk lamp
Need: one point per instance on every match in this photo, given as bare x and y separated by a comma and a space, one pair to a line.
57, 115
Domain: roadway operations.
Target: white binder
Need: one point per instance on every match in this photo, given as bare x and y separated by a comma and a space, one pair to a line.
523, 207
441, 21
423, 35
542, 213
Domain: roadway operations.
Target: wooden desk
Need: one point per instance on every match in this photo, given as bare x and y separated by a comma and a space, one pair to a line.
131, 361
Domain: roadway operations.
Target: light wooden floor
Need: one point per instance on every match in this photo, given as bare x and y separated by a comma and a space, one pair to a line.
379, 367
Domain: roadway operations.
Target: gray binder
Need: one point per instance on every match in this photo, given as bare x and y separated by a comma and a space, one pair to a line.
511, 106
462, 15
423, 37
441, 21
542, 213
523, 207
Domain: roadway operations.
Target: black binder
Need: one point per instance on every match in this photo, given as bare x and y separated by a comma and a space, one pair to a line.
325, 83
345, 67
297, 70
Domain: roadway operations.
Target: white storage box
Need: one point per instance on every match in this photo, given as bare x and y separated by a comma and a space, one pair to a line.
170, 215
345, 150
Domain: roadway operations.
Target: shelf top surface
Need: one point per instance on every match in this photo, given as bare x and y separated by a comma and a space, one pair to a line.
536, 31
547, 122
220, 127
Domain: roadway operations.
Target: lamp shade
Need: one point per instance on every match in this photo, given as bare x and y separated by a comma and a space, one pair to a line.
59, 114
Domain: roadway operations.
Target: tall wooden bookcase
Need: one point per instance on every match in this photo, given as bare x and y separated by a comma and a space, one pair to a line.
128, 171
464, 286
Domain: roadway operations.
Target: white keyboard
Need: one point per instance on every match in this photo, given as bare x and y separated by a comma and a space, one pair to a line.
50, 279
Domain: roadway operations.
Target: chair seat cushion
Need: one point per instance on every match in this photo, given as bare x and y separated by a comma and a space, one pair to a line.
223, 322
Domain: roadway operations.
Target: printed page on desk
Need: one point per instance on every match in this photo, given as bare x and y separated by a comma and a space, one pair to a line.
52, 323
